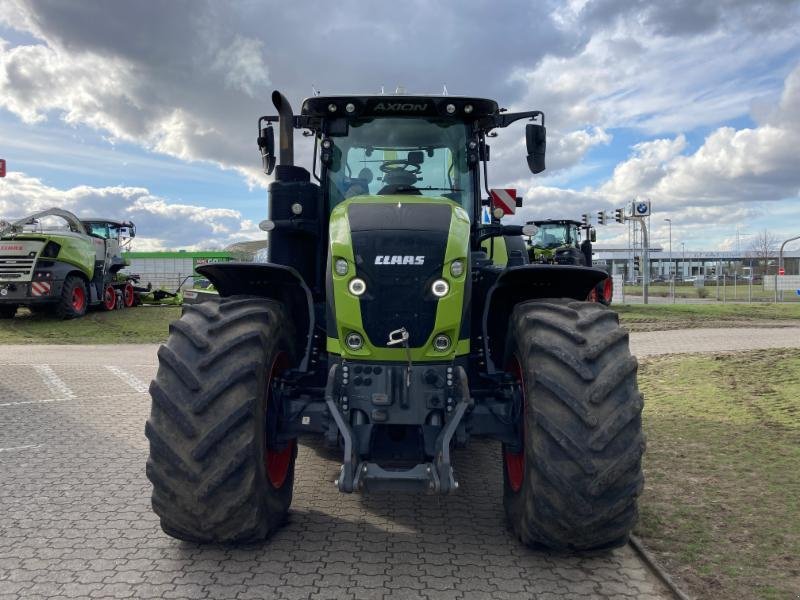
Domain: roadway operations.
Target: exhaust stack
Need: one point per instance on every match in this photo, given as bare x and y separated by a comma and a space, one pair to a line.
286, 128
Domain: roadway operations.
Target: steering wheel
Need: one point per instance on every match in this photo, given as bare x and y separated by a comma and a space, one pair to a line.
398, 166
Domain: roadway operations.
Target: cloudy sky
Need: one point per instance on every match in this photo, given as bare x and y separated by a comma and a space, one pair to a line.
147, 110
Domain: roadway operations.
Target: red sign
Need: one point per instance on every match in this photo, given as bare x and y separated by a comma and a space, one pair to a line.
505, 199
2, 167
781, 271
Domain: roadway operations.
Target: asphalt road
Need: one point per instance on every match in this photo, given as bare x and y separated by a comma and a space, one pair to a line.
75, 520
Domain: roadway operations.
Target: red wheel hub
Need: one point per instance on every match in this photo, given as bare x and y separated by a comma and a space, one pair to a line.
128, 295
515, 462
109, 298
277, 461
78, 299
608, 290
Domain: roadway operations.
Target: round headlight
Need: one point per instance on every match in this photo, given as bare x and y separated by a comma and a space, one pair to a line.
468, 108
354, 341
332, 107
350, 107
457, 268
441, 343
297, 208
440, 288
357, 286
498, 213
340, 266
451, 108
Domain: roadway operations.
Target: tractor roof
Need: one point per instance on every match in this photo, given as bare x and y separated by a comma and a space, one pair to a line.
454, 107
109, 221
555, 222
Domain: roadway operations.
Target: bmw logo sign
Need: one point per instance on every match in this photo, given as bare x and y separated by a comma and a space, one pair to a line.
641, 208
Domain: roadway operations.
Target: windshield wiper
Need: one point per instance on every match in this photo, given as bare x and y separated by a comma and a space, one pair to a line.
435, 188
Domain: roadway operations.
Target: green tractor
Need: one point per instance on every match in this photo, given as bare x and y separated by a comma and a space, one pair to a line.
54, 261
382, 325
559, 241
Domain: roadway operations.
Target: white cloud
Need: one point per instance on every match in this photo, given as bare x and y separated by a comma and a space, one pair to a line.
160, 224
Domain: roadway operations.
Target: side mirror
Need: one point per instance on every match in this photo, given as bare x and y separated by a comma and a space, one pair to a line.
593, 235
536, 140
266, 144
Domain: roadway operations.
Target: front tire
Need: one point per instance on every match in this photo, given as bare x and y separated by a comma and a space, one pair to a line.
575, 483
74, 298
215, 477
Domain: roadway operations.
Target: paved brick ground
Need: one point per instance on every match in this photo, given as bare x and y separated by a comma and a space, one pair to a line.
713, 340
75, 520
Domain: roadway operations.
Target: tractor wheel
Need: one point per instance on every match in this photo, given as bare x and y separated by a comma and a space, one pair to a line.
7, 311
74, 300
216, 476
128, 295
109, 298
574, 484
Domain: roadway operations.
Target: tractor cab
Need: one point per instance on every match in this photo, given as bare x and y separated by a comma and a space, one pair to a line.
557, 242
110, 238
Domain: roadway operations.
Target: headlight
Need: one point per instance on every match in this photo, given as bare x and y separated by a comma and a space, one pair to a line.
354, 341
440, 288
340, 266
457, 268
357, 286
441, 343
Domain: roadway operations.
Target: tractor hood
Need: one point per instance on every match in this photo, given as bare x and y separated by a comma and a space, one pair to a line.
399, 247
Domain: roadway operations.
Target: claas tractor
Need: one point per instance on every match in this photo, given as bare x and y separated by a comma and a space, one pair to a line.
559, 241
383, 326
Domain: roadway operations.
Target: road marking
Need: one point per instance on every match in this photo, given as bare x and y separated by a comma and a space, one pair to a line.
34, 402
28, 447
133, 381
54, 382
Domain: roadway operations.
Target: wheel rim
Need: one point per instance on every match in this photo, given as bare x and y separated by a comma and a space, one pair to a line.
608, 290
78, 298
127, 295
277, 462
109, 298
515, 462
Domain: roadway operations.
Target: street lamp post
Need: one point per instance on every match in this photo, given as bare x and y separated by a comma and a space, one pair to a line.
683, 258
671, 276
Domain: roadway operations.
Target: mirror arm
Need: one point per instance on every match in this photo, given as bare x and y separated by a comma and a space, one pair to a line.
506, 119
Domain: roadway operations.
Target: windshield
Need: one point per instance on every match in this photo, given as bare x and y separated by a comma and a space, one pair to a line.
409, 156
555, 235
103, 230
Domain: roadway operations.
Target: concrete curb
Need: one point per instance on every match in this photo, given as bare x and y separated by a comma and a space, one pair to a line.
651, 563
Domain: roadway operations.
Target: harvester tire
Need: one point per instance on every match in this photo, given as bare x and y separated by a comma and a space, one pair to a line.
215, 477
74, 298
574, 485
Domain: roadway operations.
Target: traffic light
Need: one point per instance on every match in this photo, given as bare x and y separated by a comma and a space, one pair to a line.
601, 217
637, 263
585, 219
619, 215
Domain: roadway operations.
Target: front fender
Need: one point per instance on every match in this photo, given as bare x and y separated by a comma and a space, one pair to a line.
528, 282
267, 280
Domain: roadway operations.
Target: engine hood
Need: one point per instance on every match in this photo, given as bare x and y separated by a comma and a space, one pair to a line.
399, 246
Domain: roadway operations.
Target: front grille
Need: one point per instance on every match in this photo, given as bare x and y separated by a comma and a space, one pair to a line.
399, 295
16, 267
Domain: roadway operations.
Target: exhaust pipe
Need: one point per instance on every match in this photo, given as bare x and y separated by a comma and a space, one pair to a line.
286, 128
